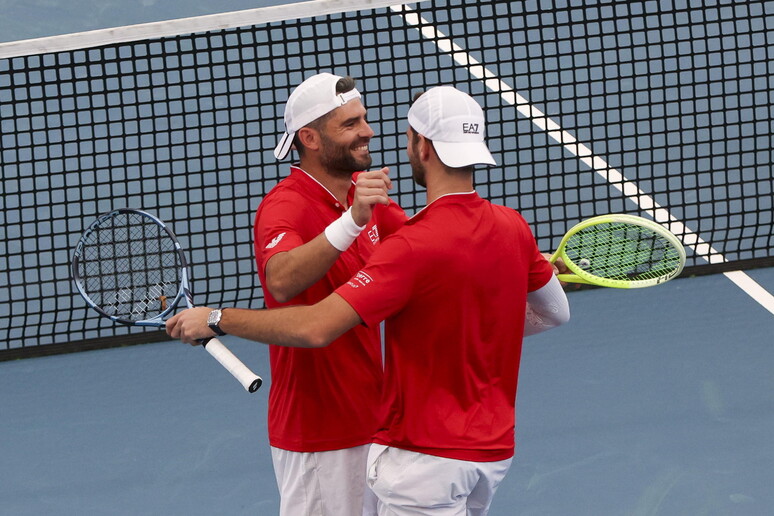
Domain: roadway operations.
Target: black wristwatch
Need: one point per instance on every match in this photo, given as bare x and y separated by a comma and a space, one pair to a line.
213, 320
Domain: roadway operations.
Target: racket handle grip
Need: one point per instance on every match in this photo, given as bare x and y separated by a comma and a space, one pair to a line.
249, 380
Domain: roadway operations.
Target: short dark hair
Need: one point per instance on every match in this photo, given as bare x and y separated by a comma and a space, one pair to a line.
344, 85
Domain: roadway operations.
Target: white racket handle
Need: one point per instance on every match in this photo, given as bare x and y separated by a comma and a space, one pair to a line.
249, 380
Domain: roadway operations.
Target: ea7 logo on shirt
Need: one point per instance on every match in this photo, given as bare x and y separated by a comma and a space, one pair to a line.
361, 279
275, 241
469, 128
373, 234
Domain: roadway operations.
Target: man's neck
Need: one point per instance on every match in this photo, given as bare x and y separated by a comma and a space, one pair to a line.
338, 185
448, 185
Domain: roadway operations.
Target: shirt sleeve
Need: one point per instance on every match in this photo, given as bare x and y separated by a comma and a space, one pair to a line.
276, 228
383, 287
540, 271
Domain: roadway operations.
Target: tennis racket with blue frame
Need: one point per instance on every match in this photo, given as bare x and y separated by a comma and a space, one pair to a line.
620, 251
130, 268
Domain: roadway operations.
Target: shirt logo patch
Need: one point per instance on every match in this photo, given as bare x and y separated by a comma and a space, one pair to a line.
373, 234
361, 279
276, 240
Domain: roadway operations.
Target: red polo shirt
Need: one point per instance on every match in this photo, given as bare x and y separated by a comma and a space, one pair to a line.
321, 399
452, 285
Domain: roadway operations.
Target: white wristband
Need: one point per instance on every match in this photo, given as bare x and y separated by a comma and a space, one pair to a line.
343, 231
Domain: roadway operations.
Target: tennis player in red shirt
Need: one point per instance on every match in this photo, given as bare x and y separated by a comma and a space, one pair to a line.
313, 231
458, 287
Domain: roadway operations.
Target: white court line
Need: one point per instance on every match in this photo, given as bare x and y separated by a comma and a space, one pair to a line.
615, 178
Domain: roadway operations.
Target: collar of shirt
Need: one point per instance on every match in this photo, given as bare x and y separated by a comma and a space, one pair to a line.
444, 199
317, 191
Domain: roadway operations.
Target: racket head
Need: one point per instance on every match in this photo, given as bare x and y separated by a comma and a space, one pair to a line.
620, 251
129, 267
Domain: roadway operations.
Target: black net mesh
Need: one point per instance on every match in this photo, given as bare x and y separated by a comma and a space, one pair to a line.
585, 100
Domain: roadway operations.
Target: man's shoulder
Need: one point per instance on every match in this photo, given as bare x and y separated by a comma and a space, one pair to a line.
288, 188
502, 212
410, 238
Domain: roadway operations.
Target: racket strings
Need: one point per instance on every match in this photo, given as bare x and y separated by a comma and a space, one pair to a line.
129, 266
622, 251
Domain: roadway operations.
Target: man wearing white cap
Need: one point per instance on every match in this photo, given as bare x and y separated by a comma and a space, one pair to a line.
313, 231
452, 286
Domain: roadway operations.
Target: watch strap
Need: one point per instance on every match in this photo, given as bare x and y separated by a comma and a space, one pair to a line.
213, 320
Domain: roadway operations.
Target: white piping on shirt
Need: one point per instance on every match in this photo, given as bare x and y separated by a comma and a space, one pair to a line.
441, 197
319, 183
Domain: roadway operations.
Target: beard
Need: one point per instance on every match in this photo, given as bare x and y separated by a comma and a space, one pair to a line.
417, 171
338, 159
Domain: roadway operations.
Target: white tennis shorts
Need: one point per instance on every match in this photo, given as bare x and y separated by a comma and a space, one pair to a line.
408, 483
330, 483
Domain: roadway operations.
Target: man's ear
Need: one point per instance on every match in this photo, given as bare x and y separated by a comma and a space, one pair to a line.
424, 148
309, 137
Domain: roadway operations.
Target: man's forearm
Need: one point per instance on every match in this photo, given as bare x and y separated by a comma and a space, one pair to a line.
290, 273
295, 326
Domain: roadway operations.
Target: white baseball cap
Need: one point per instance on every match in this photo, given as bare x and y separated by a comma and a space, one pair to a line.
311, 99
455, 124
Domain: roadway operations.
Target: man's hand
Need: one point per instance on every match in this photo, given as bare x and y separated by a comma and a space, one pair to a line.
558, 265
190, 325
561, 268
371, 188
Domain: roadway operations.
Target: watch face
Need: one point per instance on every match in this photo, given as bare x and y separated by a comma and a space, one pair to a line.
213, 320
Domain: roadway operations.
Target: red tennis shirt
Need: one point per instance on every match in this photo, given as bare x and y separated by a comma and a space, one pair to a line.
452, 286
321, 399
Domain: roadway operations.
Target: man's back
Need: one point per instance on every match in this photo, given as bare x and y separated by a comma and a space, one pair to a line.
453, 285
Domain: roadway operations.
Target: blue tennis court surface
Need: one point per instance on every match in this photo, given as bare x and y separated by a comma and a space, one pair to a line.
651, 402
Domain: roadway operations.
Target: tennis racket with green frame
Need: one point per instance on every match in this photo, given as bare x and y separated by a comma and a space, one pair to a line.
620, 251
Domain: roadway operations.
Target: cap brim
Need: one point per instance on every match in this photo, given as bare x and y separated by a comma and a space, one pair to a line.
463, 154
283, 147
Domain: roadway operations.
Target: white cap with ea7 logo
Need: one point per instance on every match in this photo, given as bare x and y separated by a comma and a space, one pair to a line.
311, 99
455, 124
